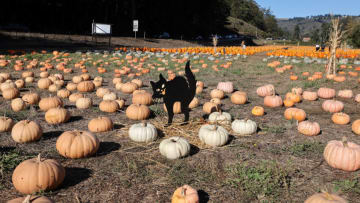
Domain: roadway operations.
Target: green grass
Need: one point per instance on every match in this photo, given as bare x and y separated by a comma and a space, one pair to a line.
306, 149
265, 181
273, 129
9, 160
348, 185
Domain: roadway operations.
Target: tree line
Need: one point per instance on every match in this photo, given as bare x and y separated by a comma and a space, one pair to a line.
180, 18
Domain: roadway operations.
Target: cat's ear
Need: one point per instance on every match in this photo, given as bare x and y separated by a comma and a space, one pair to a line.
152, 83
162, 79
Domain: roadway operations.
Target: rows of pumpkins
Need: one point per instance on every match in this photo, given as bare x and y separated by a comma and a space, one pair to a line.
79, 144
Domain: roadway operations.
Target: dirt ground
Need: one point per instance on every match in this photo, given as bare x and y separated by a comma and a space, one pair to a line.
277, 164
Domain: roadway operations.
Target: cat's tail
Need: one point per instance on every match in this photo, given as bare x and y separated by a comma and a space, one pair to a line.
191, 79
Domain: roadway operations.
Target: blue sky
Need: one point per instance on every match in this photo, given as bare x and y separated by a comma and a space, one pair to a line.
303, 8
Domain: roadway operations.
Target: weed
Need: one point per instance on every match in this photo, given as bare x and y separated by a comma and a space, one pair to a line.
266, 179
273, 129
348, 185
306, 149
9, 160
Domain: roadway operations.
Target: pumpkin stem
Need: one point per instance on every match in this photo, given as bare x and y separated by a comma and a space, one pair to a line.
143, 123
344, 141
183, 192
327, 195
39, 158
27, 199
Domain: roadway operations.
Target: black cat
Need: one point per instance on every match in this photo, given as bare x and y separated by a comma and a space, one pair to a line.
178, 89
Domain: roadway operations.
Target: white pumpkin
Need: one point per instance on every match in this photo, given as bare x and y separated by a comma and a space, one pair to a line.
223, 118
83, 103
174, 147
244, 127
213, 135
110, 96
143, 132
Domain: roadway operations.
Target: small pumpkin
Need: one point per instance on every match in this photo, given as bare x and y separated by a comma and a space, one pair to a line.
176, 108
6, 124
54, 88
225, 87
297, 90
332, 106
35, 175
31, 98
29, 79
310, 96
101, 92
296, 98
216, 93
309, 128
6, 85
75, 96
44, 83
357, 98
355, 127
137, 112
294, 113
31, 199
138, 82
213, 135
129, 87
109, 106
10, 93
340, 118
19, 83
17, 104
77, 144
143, 132
342, 155
273, 101
100, 124
174, 147
86, 86
144, 98
185, 194
288, 103
116, 80
326, 93
244, 126
266, 90
121, 103
220, 117
83, 103
210, 107
238, 97
57, 115
26, 131
194, 103
216, 101
63, 93
325, 197
347, 94
258, 111
110, 96
50, 102
71, 86
77, 79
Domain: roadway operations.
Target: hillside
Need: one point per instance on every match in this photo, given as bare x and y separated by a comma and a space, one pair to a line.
243, 28
307, 24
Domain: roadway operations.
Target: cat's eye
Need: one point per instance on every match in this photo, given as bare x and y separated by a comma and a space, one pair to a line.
157, 89
163, 85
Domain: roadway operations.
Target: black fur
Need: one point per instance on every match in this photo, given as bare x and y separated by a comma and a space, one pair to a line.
175, 90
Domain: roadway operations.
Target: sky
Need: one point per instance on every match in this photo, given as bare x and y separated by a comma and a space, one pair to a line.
303, 8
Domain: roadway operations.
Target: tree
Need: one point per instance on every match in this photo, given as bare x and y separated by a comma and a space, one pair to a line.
296, 35
315, 36
355, 36
324, 36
